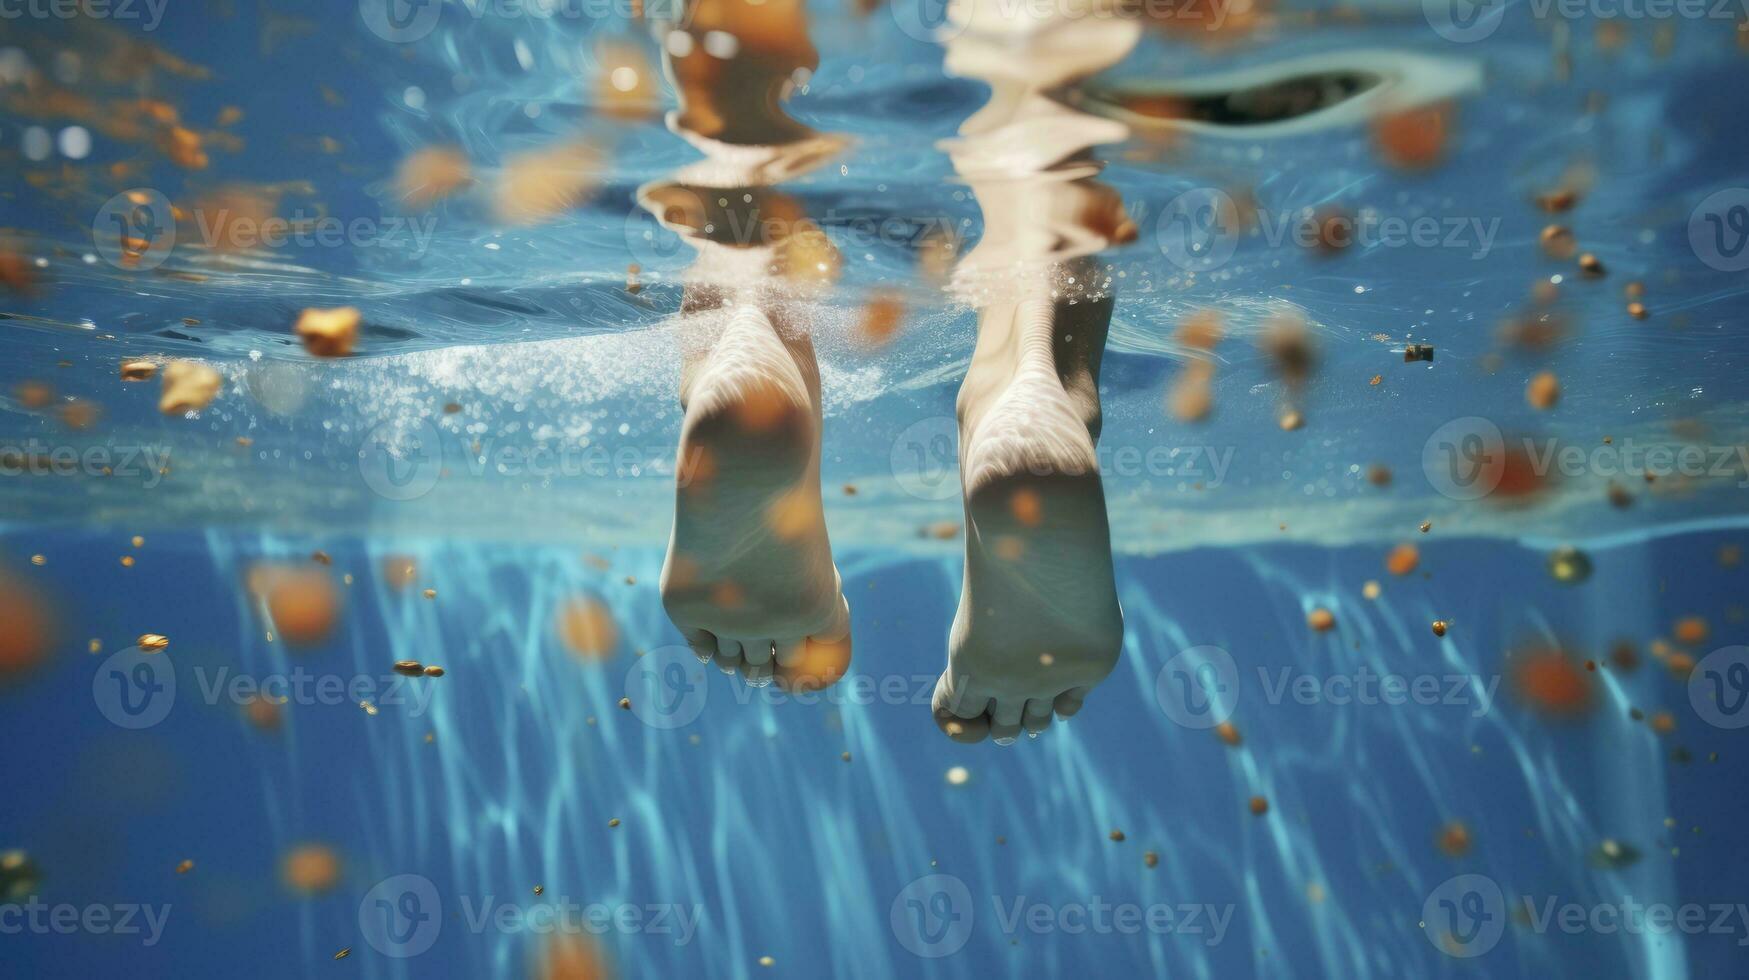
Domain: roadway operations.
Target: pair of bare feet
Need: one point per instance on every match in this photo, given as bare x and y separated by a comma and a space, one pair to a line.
749, 577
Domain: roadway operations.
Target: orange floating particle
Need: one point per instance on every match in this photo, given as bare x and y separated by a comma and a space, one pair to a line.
1543, 391
262, 713
429, 175
792, 515
1403, 559
185, 867
1558, 242
302, 601
1371, 589
1259, 806
882, 314
138, 370
79, 414
571, 956
310, 869
1229, 733
27, 629
1663, 723
807, 256
16, 272
1330, 229
1414, 139
822, 664
1691, 630
1550, 682
328, 333
189, 386
399, 571
1637, 310
628, 86
542, 184
33, 394
1590, 266
1453, 839
1027, 507
587, 627
152, 642
1191, 398
1321, 620
1439, 627
1201, 330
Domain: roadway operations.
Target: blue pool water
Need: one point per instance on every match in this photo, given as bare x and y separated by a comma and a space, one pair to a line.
1386, 803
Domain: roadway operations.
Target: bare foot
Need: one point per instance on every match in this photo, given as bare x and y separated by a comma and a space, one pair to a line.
1038, 623
749, 578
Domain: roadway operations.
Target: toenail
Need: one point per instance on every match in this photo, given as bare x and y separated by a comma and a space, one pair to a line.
1032, 734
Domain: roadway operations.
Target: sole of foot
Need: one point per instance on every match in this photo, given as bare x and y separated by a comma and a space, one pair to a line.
749, 579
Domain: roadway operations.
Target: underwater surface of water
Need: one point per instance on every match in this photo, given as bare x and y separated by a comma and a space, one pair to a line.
344, 340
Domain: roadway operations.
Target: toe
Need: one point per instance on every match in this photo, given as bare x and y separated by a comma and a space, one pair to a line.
1005, 718
959, 729
1069, 701
728, 654
756, 652
789, 652
756, 675
702, 642
960, 717
1037, 716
